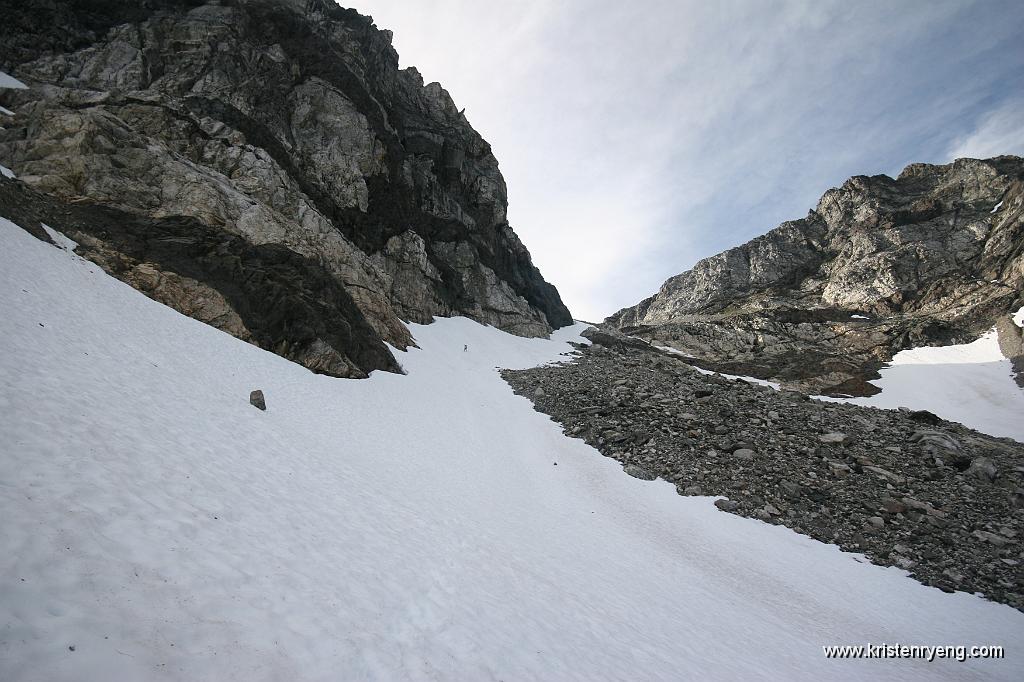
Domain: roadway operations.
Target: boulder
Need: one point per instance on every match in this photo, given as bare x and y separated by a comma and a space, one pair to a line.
639, 472
257, 400
983, 469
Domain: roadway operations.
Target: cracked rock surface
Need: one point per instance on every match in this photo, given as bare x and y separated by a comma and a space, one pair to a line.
933, 257
906, 489
236, 132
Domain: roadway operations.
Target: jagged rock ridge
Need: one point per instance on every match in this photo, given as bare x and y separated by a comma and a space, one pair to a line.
263, 165
934, 256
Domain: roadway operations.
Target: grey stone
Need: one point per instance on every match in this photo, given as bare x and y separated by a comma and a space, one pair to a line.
992, 538
983, 469
1010, 337
834, 438
257, 400
893, 506
727, 505
905, 563
925, 417
955, 576
1017, 498
839, 469
639, 472
886, 474
790, 489
942, 445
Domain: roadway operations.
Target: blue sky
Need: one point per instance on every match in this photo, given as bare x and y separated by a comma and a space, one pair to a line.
637, 138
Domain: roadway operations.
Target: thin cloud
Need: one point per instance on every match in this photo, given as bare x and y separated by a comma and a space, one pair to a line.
999, 132
636, 138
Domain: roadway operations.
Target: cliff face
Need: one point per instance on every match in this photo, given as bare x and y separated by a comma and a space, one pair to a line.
935, 256
263, 165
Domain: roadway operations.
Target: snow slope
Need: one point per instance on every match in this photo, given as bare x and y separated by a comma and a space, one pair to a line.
401, 527
9, 81
970, 383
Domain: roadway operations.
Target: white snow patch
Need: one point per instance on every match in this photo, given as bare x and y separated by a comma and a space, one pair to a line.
6, 112
399, 527
6, 172
674, 351
859, 317
969, 383
585, 325
751, 380
59, 238
997, 207
8, 81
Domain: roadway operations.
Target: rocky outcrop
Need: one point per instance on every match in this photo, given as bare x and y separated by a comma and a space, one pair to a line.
932, 257
243, 137
1011, 344
904, 488
265, 294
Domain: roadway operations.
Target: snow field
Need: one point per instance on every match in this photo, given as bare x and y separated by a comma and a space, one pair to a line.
969, 383
401, 527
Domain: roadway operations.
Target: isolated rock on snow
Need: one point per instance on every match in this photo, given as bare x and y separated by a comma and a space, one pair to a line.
880, 265
283, 137
257, 400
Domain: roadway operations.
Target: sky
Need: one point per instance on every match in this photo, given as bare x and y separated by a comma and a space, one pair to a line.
638, 137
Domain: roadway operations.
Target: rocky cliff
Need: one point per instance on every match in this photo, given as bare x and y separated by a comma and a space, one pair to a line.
264, 166
932, 257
